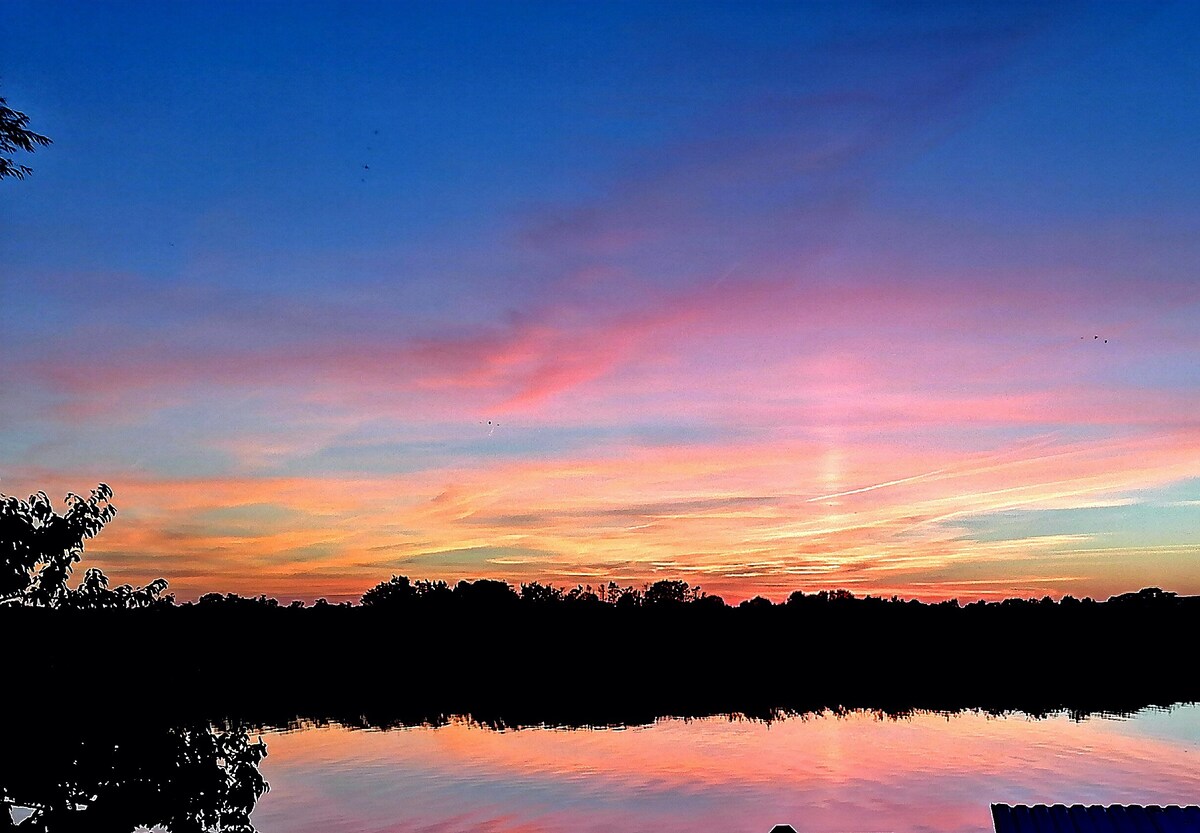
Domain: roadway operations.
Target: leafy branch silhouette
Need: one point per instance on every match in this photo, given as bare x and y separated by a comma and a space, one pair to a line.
15, 135
186, 779
39, 549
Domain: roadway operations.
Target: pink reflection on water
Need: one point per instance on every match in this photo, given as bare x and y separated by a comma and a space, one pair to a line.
823, 775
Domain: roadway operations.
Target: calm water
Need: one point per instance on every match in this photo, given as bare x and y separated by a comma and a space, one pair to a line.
856, 773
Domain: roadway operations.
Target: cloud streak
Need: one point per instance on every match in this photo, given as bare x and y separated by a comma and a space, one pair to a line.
781, 303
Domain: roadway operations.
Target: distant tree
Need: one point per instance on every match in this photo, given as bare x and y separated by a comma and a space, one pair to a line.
667, 592
757, 603
1147, 595
15, 135
537, 593
484, 593
437, 592
396, 590
628, 597
39, 549
580, 594
704, 601
796, 599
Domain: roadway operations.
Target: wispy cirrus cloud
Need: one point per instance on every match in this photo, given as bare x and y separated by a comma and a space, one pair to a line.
736, 339
737, 519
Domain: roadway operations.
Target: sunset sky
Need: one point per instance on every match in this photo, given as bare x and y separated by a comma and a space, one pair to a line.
897, 297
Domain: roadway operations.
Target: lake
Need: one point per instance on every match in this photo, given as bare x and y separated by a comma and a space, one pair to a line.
824, 774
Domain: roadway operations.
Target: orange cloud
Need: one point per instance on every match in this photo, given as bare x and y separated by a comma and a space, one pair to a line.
738, 519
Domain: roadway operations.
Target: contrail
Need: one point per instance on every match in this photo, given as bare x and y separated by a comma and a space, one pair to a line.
971, 467
877, 486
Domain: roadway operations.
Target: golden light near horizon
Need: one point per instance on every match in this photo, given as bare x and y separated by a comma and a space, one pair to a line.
919, 318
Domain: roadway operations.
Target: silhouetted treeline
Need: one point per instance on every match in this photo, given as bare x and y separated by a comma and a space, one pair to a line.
420, 651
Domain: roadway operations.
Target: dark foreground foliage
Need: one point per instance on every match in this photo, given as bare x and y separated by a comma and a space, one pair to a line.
101, 775
482, 650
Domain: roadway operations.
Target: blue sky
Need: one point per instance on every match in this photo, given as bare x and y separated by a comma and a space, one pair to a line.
571, 259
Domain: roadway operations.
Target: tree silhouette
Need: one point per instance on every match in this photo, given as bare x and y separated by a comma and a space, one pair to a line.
93, 593
15, 135
395, 591
670, 592
186, 779
536, 593
39, 549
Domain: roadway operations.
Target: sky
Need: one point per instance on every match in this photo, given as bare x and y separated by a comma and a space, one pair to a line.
895, 297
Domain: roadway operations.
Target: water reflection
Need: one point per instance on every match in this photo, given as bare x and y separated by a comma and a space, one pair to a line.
181, 779
827, 774
859, 771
